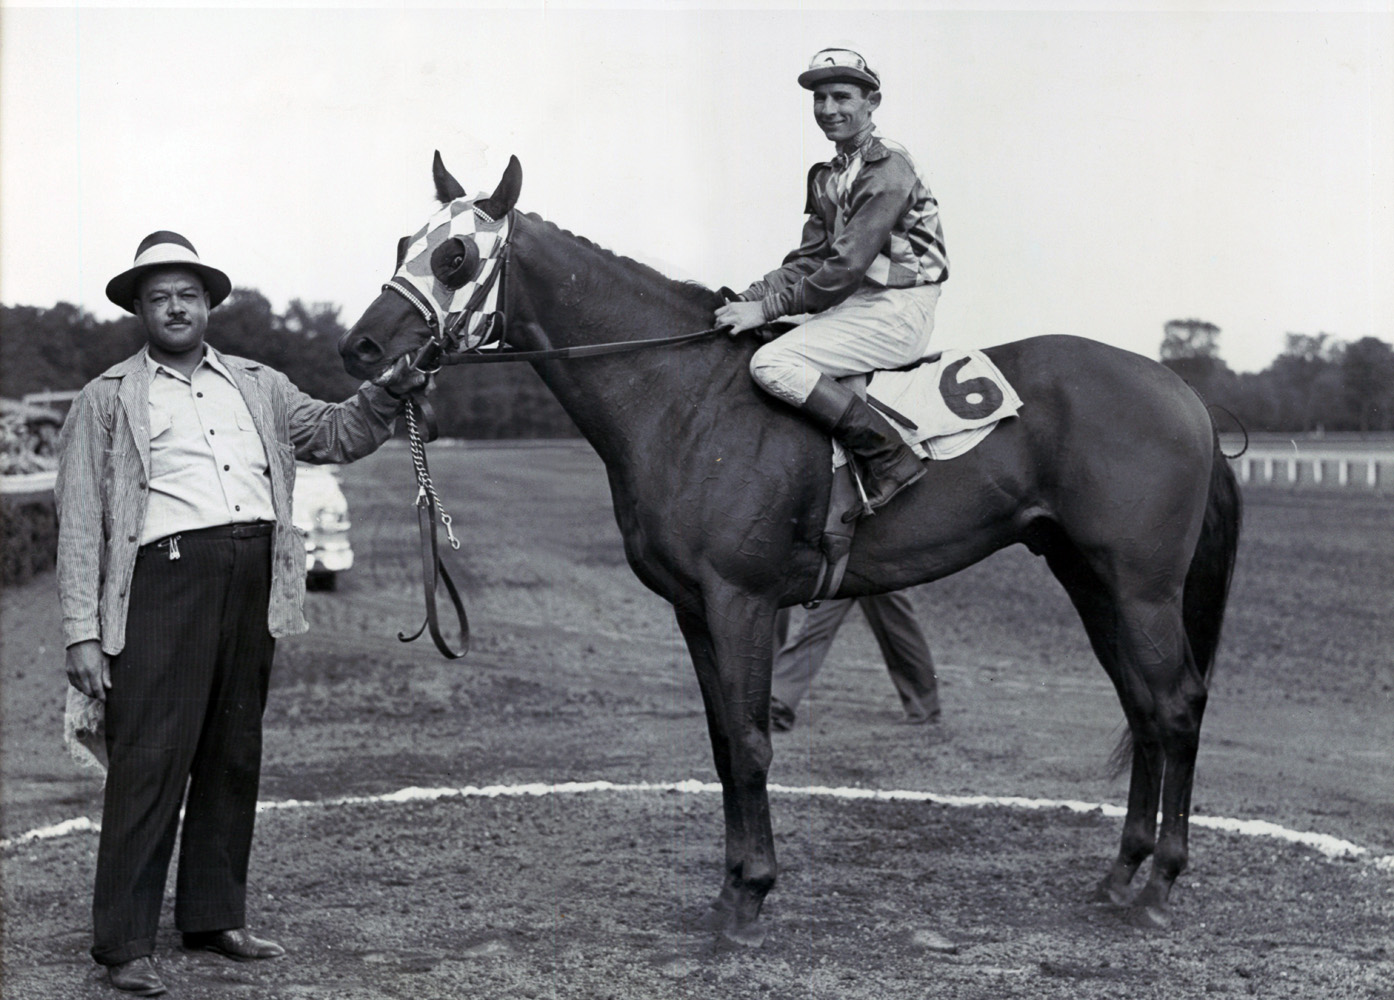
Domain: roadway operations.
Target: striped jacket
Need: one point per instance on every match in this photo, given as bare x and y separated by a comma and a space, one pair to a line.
871, 221
104, 467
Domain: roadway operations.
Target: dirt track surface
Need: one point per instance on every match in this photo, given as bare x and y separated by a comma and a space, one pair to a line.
578, 674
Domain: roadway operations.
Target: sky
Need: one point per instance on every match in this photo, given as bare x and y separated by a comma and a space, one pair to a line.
1099, 172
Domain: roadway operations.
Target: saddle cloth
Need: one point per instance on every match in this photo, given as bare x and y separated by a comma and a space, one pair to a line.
953, 400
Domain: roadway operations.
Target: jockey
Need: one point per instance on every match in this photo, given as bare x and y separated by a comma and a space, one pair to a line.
869, 269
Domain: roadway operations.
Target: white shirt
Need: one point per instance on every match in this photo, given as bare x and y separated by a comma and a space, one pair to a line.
207, 462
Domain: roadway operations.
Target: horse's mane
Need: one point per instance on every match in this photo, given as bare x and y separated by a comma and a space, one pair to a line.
688, 291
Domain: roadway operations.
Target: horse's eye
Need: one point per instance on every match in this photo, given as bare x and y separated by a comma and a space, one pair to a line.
455, 261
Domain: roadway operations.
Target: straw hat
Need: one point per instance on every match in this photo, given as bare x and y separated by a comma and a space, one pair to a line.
166, 249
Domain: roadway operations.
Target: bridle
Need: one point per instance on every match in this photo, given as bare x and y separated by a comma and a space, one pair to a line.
443, 345
449, 334
452, 341
450, 331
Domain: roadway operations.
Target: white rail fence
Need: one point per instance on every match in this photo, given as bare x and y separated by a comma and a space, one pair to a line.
1309, 464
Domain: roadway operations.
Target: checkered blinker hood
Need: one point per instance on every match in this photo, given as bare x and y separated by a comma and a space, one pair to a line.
449, 270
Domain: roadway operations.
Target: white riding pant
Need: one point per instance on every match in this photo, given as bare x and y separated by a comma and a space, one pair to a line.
873, 329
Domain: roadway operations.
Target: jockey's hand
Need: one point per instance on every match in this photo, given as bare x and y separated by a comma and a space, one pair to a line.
403, 379
739, 317
89, 669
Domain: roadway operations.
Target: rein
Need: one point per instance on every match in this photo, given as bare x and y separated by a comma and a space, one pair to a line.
477, 357
443, 349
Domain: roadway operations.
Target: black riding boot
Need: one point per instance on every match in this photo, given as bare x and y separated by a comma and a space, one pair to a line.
888, 465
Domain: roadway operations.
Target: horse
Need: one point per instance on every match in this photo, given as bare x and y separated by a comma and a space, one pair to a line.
1111, 471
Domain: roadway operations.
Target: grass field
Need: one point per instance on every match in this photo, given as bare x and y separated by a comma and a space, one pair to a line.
1308, 645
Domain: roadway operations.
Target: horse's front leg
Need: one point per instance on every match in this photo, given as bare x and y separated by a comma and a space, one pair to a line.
731, 640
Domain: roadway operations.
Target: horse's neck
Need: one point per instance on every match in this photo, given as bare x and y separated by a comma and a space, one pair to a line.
578, 294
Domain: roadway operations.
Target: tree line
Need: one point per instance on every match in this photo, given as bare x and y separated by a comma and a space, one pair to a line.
64, 347
1317, 383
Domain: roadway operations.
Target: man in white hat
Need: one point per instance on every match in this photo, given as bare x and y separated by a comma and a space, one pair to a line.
869, 267
178, 567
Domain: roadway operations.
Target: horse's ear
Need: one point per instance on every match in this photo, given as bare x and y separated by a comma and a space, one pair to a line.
505, 196
447, 187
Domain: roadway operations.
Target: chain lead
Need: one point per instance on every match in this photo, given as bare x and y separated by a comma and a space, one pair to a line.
426, 490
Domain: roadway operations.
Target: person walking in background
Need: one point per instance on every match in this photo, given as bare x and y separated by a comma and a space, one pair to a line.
178, 567
892, 620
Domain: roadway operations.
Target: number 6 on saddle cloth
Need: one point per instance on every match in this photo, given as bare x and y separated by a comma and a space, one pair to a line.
943, 407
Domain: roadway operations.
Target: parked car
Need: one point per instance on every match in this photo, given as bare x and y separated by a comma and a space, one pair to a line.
320, 511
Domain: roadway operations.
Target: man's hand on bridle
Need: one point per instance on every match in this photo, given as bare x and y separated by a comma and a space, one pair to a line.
404, 379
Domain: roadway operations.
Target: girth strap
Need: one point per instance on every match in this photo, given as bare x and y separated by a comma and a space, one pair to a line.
836, 543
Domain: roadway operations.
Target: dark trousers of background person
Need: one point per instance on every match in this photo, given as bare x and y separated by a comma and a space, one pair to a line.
893, 623
184, 708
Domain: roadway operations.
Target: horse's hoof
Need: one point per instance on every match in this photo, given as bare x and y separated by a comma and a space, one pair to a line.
1149, 918
749, 935
1111, 894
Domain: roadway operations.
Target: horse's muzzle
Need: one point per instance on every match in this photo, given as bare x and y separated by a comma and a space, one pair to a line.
362, 355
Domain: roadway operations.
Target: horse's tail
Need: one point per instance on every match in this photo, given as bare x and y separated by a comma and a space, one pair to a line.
1212, 565
1206, 591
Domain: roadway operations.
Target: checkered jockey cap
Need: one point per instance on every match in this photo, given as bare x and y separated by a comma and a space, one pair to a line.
446, 264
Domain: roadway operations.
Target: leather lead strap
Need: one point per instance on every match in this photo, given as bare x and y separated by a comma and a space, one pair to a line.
427, 413
433, 573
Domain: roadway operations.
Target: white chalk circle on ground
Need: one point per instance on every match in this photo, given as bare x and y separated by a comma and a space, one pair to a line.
1324, 844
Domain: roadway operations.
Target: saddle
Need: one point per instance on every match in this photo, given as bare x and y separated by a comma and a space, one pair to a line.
943, 406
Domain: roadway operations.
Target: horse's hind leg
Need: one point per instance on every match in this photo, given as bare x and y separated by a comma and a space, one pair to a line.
1142, 645
1178, 697
733, 670
1139, 838
1098, 610
1163, 696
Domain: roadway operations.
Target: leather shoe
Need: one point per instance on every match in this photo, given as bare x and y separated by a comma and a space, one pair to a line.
239, 944
137, 976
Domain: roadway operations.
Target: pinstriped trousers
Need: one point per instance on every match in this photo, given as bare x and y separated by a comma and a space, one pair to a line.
184, 711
